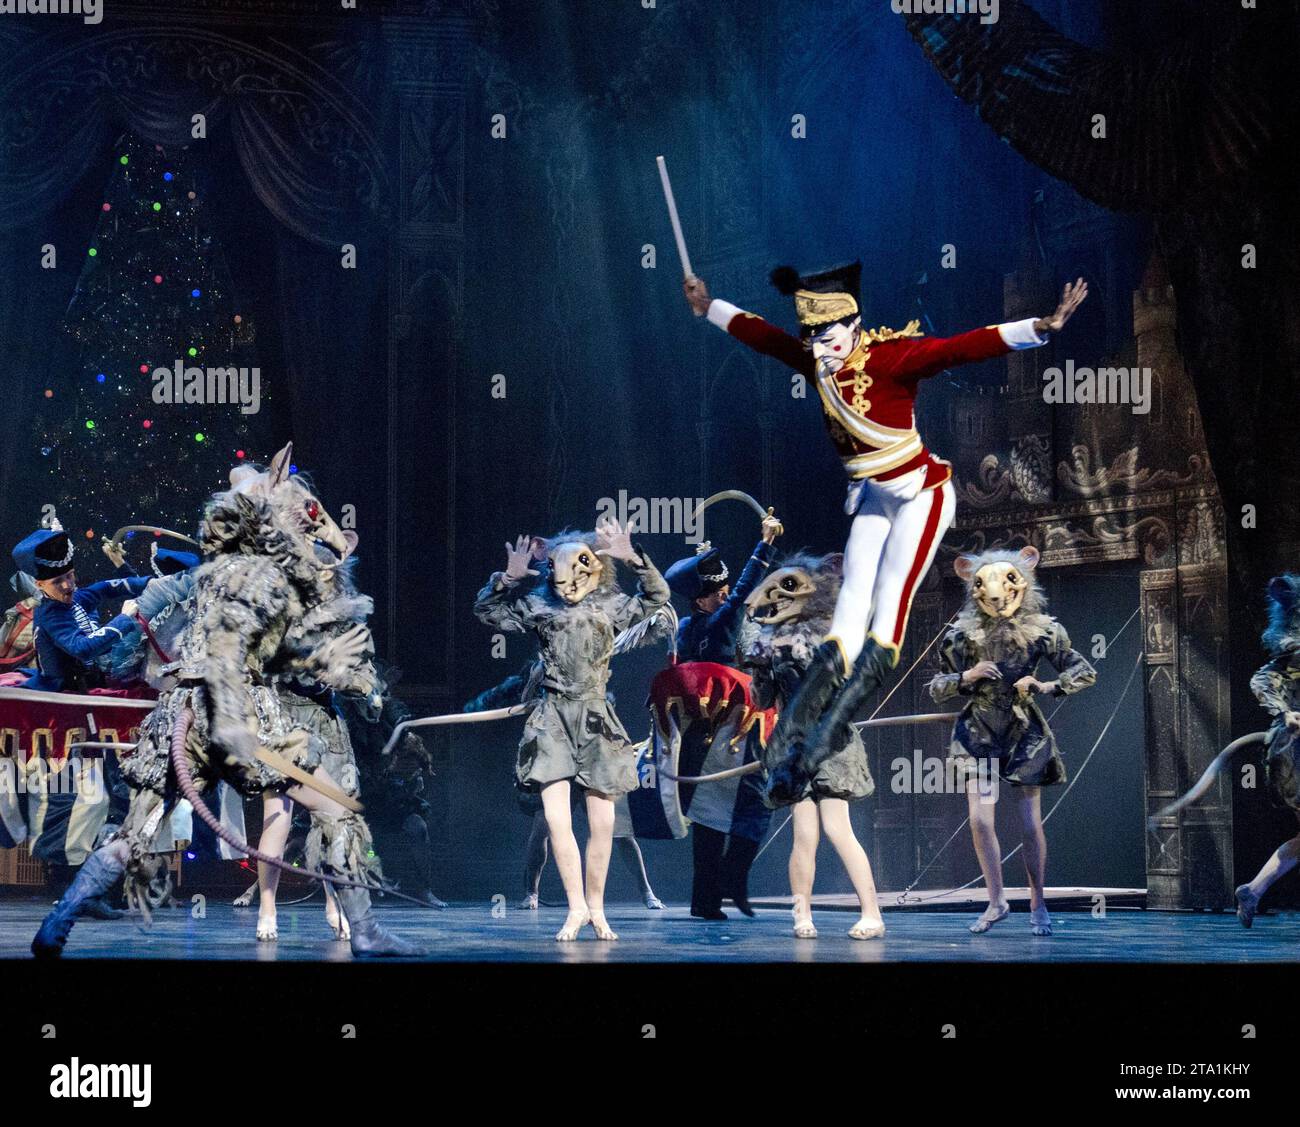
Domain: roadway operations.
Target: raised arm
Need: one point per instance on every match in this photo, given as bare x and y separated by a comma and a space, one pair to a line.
926, 356
653, 592
501, 604
750, 329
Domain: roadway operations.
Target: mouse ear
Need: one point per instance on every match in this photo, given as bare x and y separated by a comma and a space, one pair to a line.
537, 546
964, 566
1280, 590
832, 564
1029, 557
280, 464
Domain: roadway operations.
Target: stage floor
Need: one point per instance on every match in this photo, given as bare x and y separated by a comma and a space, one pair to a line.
470, 933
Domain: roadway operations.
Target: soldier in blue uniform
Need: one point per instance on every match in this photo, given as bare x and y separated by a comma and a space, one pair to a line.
728, 821
68, 635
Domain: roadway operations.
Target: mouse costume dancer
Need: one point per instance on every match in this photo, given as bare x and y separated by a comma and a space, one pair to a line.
728, 819
261, 608
573, 735
792, 610
66, 629
989, 658
900, 495
1277, 687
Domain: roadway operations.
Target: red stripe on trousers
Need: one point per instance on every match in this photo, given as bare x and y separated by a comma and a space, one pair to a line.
922, 554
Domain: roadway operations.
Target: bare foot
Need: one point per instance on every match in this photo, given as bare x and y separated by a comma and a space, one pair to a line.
992, 914
528, 903
653, 902
245, 899
573, 923
339, 925
266, 928
803, 929
869, 927
601, 927
1040, 921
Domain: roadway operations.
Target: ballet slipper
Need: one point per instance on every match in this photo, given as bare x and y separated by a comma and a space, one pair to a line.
994, 913
1247, 905
867, 928
572, 925
1040, 921
803, 929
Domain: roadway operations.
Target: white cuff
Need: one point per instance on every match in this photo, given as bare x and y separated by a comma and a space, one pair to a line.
1020, 334
721, 313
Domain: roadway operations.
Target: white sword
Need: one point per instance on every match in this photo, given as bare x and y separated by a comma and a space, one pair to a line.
687, 272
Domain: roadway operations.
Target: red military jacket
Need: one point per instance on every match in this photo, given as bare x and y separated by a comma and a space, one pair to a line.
869, 404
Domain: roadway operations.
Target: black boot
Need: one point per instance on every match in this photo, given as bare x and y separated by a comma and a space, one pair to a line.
369, 939
832, 732
346, 851
741, 852
824, 677
101, 871
706, 882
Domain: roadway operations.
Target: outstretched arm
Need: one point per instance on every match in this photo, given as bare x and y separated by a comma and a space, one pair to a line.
750, 329
927, 356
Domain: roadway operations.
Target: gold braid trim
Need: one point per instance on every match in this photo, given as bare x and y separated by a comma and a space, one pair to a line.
911, 329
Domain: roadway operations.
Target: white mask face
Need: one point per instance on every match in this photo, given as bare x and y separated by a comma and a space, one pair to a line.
833, 344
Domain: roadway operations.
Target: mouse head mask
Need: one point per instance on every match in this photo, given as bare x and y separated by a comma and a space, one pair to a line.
1000, 581
575, 569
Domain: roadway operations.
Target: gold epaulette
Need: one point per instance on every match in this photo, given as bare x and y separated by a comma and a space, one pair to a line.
912, 329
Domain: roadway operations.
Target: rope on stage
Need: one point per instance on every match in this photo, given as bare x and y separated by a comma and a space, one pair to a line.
185, 781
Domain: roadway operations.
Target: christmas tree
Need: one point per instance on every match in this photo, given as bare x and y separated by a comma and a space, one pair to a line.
140, 433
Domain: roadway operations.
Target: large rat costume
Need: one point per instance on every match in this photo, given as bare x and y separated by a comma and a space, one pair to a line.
791, 612
573, 734
1277, 688
262, 607
990, 657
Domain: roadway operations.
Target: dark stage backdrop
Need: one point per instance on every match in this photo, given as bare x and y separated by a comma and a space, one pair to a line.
525, 257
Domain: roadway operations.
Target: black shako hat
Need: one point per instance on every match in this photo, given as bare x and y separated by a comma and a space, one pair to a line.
45, 554
821, 299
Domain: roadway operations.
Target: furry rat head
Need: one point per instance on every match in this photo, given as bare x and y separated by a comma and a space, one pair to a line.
1283, 631
571, 567
803, 589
